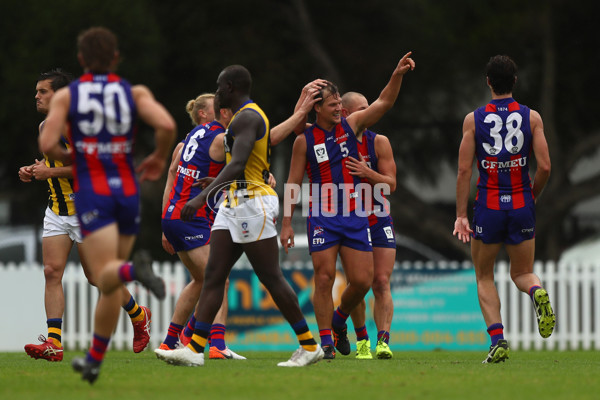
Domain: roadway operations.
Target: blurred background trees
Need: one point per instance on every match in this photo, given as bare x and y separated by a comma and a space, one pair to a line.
178, 49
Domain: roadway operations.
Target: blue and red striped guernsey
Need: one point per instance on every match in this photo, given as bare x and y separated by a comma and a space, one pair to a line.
503, 146
102, 127
366, 149
325, 164
195, 163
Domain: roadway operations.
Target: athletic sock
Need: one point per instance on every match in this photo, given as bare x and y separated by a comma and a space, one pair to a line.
361, 333
339, 318
136, 313
173, 335
55, 331
189, 327
383, 335
532, 291
305, 337
496, 332
126, 272
200, 337
326, 339
98, 349
217, 336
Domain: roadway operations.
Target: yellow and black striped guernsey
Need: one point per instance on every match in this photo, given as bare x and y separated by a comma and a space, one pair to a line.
254, 180
61, 199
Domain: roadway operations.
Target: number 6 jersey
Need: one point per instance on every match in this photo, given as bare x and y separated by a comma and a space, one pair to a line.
503, 148
102, 127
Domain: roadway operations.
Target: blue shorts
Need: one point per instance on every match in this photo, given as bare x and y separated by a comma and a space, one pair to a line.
349, 231
185, 236
382, 233
95, 212
503, 226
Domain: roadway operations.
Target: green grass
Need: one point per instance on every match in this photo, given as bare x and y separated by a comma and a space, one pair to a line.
410, 375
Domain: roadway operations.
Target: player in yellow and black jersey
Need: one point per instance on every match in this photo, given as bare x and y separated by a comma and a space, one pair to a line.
61, 230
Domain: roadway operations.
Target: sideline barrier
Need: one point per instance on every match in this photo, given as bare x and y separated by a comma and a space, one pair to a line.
435, 307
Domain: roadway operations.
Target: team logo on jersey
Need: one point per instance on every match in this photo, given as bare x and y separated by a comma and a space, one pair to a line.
321, 153
318, 231
245, 230
115, 182
506, 198
171, 208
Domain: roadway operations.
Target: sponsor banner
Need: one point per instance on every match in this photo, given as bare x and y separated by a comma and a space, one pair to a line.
433, 309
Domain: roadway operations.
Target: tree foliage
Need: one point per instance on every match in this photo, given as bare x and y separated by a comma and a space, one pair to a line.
178, 49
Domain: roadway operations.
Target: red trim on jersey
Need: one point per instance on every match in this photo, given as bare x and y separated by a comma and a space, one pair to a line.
127, 177
325, 174
113, 77
492, 200
514, 106
490, 108
516, 181
86, 77
96, 171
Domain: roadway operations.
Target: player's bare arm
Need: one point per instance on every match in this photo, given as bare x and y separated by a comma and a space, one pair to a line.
361, 120
466, 155
154, 114
541, 152
298, 120
297, 165
41, 171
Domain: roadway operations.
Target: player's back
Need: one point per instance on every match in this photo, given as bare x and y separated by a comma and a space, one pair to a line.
503, 146
102, 126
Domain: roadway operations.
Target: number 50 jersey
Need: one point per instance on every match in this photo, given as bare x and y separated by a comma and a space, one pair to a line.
102, 126
503, 148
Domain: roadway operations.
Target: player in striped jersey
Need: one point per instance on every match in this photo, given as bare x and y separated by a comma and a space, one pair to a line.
334, 227
501, 136
61, 231
245, 223
377, 168
201, 155
101, 110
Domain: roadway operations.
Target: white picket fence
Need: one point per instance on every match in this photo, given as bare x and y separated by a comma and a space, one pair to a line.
574, 292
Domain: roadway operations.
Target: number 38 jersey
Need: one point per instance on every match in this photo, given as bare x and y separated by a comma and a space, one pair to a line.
102, 126
503, 148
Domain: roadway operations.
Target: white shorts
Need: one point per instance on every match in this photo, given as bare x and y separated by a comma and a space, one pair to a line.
55, 225
251, 221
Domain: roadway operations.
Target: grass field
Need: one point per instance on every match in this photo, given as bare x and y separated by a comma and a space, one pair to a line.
410, 375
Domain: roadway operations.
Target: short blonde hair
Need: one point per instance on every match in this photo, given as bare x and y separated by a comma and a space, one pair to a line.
199, 103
